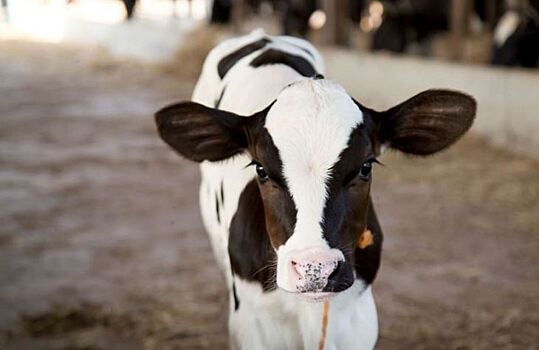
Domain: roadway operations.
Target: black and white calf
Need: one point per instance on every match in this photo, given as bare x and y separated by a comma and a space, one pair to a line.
286, 159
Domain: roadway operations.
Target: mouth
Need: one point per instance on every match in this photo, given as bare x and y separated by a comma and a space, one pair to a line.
316, 297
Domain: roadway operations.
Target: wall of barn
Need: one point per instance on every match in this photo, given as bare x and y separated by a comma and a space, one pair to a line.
508, 99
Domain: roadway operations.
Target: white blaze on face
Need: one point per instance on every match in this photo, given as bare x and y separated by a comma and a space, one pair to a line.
310, 124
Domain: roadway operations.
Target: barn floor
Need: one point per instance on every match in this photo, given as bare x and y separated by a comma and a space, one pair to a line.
101, 244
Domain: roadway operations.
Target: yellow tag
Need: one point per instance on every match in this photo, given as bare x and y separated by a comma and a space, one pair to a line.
365, 239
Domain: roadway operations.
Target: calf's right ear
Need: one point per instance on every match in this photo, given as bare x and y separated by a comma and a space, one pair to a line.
201, 133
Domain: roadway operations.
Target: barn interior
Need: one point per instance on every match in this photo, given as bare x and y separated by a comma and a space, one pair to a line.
101, 242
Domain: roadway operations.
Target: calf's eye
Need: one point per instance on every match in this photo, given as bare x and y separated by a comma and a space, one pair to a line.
262, 174
365, 170
363, 173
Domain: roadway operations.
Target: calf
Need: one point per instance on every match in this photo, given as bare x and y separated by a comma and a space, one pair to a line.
286, 160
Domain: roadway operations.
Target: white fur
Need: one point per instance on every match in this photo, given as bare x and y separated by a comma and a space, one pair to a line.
279, 320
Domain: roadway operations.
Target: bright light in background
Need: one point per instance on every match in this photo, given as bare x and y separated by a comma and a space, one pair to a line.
376, 8
317, 20
364, 24
159, 9
154, 9
45, 23
373, 19
199, 9
182, 9
56, 20
98, 11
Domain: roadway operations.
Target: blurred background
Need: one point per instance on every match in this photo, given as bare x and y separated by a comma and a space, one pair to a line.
101, 242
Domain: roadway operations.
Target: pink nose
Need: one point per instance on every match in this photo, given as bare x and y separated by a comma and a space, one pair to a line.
311, 270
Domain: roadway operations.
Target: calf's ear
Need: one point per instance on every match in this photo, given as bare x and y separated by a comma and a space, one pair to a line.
201, 133
428, 122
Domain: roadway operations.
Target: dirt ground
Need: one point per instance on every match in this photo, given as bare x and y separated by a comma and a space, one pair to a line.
102, 247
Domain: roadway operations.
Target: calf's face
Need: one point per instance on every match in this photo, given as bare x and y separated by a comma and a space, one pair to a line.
312, 151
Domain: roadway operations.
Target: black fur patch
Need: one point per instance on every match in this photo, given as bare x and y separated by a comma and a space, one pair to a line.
368, 260
347, 210
273, 56
231, 59
249, 247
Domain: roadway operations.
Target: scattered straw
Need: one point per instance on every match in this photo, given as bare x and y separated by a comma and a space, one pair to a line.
325, 315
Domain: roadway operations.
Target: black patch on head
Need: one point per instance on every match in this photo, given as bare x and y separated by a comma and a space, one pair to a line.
273, 56
235, 295
231, 59
318, 77
348, 210
249, 247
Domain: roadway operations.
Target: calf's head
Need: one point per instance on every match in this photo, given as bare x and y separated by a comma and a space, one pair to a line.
312, 153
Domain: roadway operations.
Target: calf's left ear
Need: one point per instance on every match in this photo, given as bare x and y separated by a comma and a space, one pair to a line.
428, 122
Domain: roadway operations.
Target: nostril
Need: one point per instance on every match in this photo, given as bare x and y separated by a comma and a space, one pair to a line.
335, 272
296, 268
